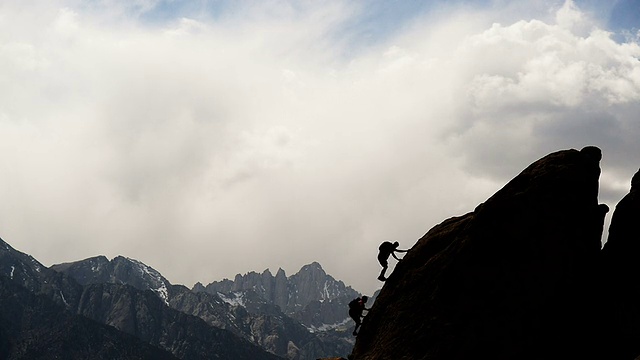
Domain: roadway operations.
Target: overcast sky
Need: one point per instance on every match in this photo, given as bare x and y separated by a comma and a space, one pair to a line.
208, 138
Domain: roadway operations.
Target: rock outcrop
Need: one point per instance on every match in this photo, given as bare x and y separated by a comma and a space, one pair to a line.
620, 286
514, 279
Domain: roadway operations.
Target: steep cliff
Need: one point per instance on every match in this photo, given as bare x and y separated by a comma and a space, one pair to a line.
620, 300
511, 280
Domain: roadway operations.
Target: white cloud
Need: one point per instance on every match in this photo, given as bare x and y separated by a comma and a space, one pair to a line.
211, 147
573, 19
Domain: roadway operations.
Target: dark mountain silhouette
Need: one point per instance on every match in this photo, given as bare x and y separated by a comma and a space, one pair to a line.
35, 327
142, 314
244, 306
520, 277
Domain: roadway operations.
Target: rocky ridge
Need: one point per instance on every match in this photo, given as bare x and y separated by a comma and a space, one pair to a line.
245, 308
133, 317
311, 296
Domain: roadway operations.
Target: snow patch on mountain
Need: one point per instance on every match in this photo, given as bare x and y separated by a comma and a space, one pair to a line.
233, 299
325, 293
36, 264
63, 298
155, 276
328, 327
163, 293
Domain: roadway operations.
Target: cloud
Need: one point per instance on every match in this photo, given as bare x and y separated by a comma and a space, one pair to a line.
557, 88
266, 136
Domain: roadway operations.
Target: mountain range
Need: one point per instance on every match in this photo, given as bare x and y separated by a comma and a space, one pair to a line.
122, 308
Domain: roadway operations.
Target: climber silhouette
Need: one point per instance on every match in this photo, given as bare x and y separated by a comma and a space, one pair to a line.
356, 307
386, 249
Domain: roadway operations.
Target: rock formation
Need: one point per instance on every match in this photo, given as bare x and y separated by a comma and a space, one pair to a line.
514, 279
620, 286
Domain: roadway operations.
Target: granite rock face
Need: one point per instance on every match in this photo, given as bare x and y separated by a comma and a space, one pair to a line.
514, 279
310, 296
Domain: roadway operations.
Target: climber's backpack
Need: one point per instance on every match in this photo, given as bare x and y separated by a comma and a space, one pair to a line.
353, 304
386, 247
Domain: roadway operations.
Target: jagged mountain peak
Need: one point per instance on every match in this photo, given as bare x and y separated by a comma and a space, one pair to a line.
94, 263
119, 270
98, 263
198, 287
313, 267
145, 270
310, 296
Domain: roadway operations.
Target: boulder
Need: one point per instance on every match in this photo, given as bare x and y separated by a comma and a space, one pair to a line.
511, 280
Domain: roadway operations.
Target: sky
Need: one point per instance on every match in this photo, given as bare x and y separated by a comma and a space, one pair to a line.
214, 137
